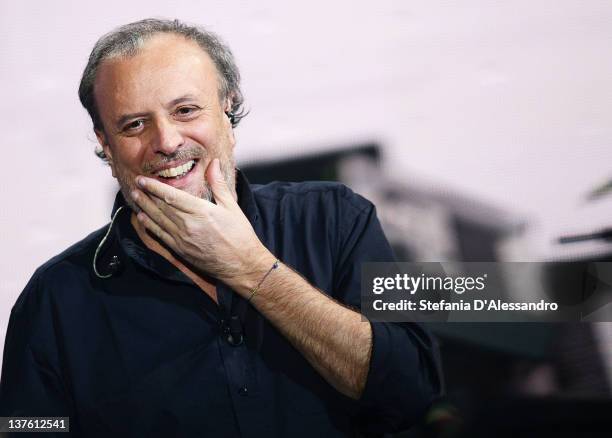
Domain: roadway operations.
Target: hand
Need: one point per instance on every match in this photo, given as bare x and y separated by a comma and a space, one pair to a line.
217, 239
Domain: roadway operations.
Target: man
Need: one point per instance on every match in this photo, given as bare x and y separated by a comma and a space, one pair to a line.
207, 307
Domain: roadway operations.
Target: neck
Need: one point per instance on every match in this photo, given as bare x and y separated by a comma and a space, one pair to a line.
149, 242
206, 284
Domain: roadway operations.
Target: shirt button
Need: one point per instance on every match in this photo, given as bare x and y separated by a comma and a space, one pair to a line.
243, 391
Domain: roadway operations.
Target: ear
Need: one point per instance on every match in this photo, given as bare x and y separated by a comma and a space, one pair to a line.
227, 104
227, 107
106, 148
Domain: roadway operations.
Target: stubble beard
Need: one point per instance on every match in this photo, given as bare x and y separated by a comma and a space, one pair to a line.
127, 183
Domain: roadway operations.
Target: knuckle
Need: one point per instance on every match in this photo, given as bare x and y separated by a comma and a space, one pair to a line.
169, 198
190, 228
180, 245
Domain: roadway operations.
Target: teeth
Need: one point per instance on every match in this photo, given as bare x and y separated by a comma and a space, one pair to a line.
177, 171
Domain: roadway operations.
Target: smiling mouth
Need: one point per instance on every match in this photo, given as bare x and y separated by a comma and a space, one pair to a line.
177, 172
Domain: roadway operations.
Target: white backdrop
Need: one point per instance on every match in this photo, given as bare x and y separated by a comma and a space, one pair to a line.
509, 102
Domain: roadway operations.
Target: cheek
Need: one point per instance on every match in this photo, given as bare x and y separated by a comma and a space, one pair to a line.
130, 156
211, 136
201, 133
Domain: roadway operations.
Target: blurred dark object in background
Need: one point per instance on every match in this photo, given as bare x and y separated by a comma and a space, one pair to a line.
510, 417
421, 222
502, 379
325, 166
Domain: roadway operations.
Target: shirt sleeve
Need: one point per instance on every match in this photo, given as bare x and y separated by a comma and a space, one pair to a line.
31, 383
404, 375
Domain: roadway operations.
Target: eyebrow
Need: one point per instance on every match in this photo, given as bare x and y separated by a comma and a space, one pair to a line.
184, 98
124, 118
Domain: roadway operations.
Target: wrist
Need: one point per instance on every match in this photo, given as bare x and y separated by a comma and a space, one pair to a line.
257, 266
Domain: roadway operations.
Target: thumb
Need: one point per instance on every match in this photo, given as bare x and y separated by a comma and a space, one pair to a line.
217, 183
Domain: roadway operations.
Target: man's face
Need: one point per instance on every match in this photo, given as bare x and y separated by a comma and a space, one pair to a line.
162, 117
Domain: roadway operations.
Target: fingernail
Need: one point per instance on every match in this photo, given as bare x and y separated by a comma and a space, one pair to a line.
140, 181
134, 194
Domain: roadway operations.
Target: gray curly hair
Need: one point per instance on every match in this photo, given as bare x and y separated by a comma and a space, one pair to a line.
128, 39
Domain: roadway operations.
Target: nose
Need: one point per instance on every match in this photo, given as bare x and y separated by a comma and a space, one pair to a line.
167, 137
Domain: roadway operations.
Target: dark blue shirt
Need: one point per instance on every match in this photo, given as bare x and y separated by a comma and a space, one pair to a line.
147, 353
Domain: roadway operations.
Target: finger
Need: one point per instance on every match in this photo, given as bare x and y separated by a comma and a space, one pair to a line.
170, 195
217, 183
154, 212
150, 225
171, 212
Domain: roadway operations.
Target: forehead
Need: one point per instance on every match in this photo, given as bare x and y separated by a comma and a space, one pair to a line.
167, 66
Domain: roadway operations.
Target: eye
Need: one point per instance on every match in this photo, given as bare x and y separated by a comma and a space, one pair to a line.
187, 111
134, 126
